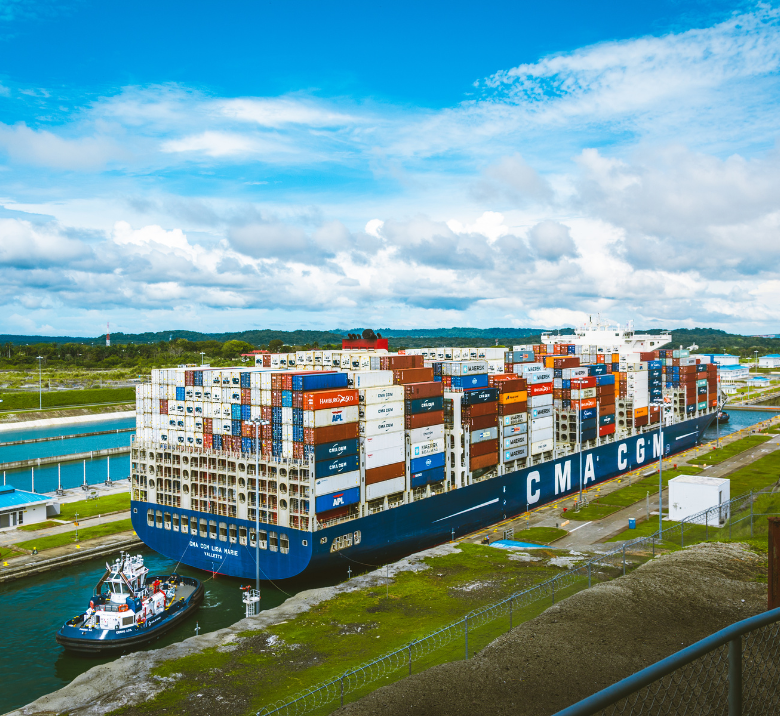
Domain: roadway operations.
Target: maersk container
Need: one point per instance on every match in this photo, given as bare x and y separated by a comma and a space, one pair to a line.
328, 468
385, 456
422, 478
382, 394
385, 488
377, 411
519, 429
514, 454
431, 432
479, 436
319, 381
324, 503
385, 425
426, 463
470, 382
463, 368
540, 376
515, 419
540, 401
424, 405
428, 447
340, 448
335, 483
545, 412
514, 441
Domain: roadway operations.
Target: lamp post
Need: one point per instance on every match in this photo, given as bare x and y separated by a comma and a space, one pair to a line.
202, 353
40, 384
258, 422
662, 408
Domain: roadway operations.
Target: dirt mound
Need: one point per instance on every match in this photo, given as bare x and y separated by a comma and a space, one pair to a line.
590, 640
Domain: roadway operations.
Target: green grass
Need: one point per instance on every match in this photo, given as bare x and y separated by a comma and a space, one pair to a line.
64, 398
355, 627
594, 511
8, 552
638, 489
539, 535
38, 526
774, 430
643, 529
761, 473
719, 455
102, 506
84, 534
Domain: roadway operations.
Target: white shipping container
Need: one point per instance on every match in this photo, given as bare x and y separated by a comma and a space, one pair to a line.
479, 436
387, 487
540, 401
376, 411
519, 429
539, 424
515, 441
337, 483
541, 412
369, 428
541, 446
583, 394
540, 376
515, 419
528, 368
370, 379
385, 456
540, 435
287, 418
432, 432
382, 394
514, 454
466, 367
383, 441
569, 373
428, 447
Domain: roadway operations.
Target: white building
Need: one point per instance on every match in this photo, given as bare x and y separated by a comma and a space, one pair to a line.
718, 358
18, 507
733, 373
691, 494
770, 361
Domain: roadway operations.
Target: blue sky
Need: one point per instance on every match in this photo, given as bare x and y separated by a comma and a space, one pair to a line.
264, 164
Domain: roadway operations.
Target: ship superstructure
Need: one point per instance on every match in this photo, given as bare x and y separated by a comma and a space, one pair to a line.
363, 454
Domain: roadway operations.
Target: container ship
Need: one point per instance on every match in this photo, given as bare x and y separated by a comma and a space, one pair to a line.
320, 460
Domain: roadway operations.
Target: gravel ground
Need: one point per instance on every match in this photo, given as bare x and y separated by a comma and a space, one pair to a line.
588, 641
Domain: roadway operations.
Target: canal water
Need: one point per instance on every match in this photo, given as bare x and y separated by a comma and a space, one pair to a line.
738, 419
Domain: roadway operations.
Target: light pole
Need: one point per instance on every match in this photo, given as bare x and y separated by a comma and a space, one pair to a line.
258, 422
201, 357
40, 384
662, 408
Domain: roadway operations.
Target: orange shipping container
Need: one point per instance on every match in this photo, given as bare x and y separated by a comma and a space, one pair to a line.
319, 399
475, 463
583, 404
412, 375
386, 472
518, 397
640, 412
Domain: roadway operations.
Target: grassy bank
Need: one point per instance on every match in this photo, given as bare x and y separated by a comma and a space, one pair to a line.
351, 629
719, 455
89, 508
84, 534
64, 398
539, 535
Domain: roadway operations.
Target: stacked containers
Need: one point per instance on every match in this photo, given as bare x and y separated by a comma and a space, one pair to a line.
540, 409
512, 416
424, 423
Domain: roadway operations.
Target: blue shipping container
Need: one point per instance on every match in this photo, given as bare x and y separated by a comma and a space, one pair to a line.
235, 428
652, 364
324, 503
341, 448
287, 398
473, 397
319, 381
179, 393
297, 433
566, 383
470, 382
588, 435
587, 414
557, 372
216, 441
607, 419
435, 474
419, 464
586, 425
598, 369
245, 381
235, 411
346, 463
424, 405
606, 379
198, 377
246, 445
246, 412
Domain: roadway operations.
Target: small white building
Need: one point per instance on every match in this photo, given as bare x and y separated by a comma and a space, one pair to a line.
691, 494
759, 381
18, 507
770, 361
733, 373
718, 358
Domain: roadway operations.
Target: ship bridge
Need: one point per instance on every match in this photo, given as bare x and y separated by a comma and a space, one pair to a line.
601, 333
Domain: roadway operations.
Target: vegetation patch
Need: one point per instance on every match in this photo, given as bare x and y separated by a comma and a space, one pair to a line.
84, 534
540, 535
8, 552
38, 526
103, 505
638, 489
594, 511
719, 455
29, 400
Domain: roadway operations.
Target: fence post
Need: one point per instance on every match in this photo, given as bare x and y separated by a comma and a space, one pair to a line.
588, 575
342, 690
410, 659
682, 532
466, 620
751, 513
774, 562
706, 525
735, 677
653, 545
511, 599
553, 591
624, 559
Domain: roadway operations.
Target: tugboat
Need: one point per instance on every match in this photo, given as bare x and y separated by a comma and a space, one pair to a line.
129, 608
722, 417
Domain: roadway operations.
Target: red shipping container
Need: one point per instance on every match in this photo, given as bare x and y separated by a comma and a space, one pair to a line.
606, 409
332, 433
645, 356
540, 389
475, 463
297, 399
276, 398
513, 408
423, 420
601, 358
333, 514
481, 422
511, 386
208, 441
640, 421
338, 398
584, 404
566, 362
607, 400
483, 448
400, 362
431, 389
208, 425
386, 472
248, 429
580, 383
412, 375
472, 411
266, 446
298, 451
163, 407
189, 377
246, 396
266, 413
606, 430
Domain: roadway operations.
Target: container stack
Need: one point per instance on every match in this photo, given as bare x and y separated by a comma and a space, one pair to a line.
540, 410
512, 417
424, 422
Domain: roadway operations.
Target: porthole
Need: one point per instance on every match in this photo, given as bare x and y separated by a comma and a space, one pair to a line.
241, 482
282, 504
135, 510
185, 489
305, 542
241, 497
283, 488
185, 460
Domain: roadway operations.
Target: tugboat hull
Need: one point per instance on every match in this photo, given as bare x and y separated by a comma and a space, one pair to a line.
97, 642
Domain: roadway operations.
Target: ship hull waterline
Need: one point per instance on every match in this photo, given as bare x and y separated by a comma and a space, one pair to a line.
391, 534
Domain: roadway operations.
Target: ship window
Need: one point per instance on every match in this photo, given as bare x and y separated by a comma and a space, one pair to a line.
127, 621
204, 528
305, 542
212, 529
242, 535
150, 518
274, 542
357, 537
284, 544
193, 525
159, 519
264, 539
185, 523
222, 532
175, 523
252, 537
232, 533
167, 520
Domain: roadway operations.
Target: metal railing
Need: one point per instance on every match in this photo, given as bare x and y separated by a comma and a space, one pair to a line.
698, 527
734, 671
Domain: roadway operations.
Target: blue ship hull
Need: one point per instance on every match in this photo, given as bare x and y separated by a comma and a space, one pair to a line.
409, 528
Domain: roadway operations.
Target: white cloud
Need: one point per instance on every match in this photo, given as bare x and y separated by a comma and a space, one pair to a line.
278, 112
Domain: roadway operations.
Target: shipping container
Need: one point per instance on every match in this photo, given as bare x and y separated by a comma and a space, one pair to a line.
387, 472
388, 487
386, 425
385, 456
337, 483
324, 503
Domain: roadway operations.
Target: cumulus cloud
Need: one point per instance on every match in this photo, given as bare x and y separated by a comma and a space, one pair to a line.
551, 241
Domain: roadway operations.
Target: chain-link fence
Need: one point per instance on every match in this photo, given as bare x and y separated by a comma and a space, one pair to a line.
735, 517
735, 671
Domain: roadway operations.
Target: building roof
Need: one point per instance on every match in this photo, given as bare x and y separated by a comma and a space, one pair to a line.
700, 480
734, 367
771, 355
11, 497
719, 355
